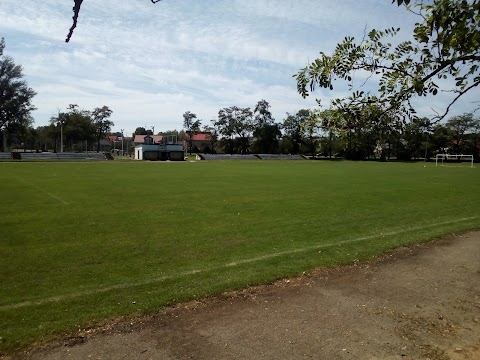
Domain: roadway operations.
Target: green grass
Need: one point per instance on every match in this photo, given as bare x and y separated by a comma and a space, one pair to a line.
85, 242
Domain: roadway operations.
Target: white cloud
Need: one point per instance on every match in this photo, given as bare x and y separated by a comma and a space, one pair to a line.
151, 63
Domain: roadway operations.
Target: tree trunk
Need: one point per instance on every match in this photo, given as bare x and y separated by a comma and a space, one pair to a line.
4, 134
330, 144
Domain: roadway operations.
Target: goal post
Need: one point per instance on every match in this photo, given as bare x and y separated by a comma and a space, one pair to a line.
442, 159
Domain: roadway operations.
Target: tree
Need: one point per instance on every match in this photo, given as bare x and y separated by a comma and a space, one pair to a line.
445, 46
15, 95
213, 132
77, 4
328, 123
73, 127
20, 133
141, 131
191, 126
266, 132
293, 129
78, 127
310, 128
102, 124
415, 139
462, 128
267, 138
43, 138
236, 126
263, 116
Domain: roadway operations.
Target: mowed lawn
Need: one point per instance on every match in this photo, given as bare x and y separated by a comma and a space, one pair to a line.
84, 242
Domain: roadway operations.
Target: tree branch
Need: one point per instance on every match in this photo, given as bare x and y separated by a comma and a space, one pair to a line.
76, 12
440, 117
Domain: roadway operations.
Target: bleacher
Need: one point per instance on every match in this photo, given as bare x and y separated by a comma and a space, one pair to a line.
5, 156
227, 157
61, 156
280, 157
37, 156
97, 156
250, 157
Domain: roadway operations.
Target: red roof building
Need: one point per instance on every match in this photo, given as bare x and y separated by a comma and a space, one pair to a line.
200, 142
147, 139
199, 137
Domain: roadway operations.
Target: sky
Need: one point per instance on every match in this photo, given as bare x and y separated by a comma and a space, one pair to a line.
152, 63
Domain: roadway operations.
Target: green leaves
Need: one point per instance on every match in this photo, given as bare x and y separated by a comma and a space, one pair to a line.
445, 44
15, 95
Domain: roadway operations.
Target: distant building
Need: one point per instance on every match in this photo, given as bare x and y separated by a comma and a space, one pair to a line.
148, 139
104, 145
158, 148
113, 138
200, 142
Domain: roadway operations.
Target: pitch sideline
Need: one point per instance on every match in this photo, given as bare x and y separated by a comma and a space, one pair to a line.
224, 266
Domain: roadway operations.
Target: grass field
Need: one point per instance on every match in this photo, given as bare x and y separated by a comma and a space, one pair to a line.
84, 242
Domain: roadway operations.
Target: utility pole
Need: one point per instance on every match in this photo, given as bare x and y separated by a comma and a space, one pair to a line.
61, 121
122, 141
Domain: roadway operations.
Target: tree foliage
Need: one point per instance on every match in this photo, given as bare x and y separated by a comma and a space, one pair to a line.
76, 125
15, 95
102, 125
141, 131
445, 46
77, 4
293, 127
191, 125
266, 132
235, 124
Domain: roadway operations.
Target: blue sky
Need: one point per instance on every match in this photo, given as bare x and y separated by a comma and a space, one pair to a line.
151, 63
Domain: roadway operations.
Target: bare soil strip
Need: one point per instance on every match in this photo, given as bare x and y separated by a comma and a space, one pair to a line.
421, 302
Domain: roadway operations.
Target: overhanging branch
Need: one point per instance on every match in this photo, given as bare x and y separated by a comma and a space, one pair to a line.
460, 93
76, 12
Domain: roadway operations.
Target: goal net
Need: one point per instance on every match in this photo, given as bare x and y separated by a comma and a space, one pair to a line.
453, 159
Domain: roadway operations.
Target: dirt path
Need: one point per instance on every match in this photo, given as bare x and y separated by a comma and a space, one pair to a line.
421, 302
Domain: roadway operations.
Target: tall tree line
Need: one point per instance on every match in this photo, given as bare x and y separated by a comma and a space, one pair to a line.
371, 134
73, 129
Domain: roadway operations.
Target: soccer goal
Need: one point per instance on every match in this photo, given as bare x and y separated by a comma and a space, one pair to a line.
448, 159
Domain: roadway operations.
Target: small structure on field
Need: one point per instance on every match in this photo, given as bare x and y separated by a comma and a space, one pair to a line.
158, 148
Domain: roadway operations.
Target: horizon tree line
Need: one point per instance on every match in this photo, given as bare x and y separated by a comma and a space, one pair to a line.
329, 133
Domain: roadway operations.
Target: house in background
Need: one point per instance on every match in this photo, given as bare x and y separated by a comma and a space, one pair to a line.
148, 139
200, 142
113, 138
158, 148
104, 146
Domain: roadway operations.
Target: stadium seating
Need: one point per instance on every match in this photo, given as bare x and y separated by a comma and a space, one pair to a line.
280, 157
249, 157
37, 156
5, 156
62, 156
227, 157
